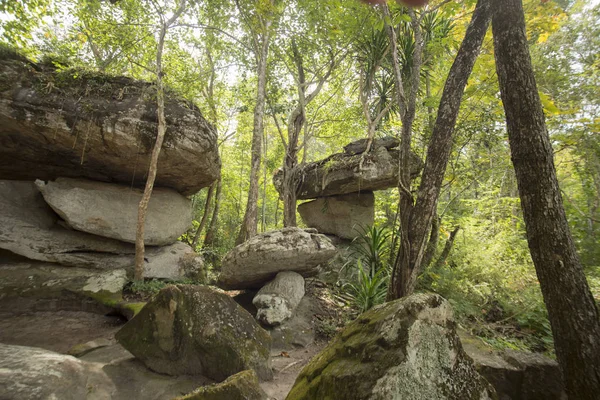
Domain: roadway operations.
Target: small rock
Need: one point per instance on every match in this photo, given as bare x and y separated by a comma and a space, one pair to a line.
84, 348
241, 386
194, 330
277, 300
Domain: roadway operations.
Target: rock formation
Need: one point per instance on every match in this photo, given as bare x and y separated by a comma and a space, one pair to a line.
404, 349
195, 330
110, 210
343, 216
262, 257
58, 125
339, 182
82, 124
278, 299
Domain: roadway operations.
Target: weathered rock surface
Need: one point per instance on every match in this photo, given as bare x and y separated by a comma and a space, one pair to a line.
29, 227
195, 330
359, 146
516, 375
343, 216
405, 349
278, 299
82, 124
32, 373
340, 173
262, 257
298, 331
241, 386
110, 210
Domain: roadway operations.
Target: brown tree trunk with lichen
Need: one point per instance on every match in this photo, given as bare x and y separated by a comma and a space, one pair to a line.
572, 311
204, 216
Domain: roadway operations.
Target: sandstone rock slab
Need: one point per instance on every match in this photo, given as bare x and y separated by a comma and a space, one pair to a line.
278, 299
343, 173
343, 216
262, 257
195, 330
82, 124
111, 210
404, 349
30, 228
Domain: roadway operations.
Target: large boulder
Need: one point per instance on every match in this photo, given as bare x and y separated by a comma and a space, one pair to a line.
263, 256
241, 386
278, 299
516, 375
343, 216
83, 124
194, 330
29, 227
111, 210
350, 173
37, 374
404, 349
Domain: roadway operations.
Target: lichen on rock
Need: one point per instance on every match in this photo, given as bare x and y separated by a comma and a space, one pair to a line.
405, 349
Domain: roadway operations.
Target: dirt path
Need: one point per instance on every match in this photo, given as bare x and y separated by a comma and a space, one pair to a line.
286, 367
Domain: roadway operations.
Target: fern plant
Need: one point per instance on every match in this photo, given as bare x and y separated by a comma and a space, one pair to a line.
367, 285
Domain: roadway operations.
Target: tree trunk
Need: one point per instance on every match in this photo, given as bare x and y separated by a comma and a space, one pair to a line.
250, 222
434, 238
416, 220
210, 240
572, 310
447, 247
160, 136
204, 215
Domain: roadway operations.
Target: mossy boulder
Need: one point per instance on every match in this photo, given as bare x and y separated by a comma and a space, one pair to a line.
195, 330
405, 349
241, 386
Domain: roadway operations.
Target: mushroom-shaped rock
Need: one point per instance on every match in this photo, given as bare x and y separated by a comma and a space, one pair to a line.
110, 210
241, 386
84, 124
278, 299
404, 349
195, 330
262, 257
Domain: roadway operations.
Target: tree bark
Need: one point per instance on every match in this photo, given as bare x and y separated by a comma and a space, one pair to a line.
204, 215
250, 222
447, 247
571, 308
434, 238
416, 219
210, 240
160, 136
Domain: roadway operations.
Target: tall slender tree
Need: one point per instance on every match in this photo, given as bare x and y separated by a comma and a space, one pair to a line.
571, 307
261, 32
160, 136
